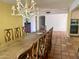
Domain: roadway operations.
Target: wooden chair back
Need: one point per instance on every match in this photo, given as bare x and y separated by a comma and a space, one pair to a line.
26, 55
8, 35
17, 32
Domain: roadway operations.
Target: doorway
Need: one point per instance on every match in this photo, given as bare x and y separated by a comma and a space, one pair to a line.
41, 21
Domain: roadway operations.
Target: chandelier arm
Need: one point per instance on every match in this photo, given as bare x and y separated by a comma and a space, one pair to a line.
25, 11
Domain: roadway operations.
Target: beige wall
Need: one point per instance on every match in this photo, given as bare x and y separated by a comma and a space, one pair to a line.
72, 15
7, 21
75, 14
68, 22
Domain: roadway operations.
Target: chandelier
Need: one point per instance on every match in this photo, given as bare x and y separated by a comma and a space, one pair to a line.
24, 10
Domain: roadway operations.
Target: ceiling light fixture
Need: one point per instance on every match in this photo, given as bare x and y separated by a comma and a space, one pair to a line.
24, 10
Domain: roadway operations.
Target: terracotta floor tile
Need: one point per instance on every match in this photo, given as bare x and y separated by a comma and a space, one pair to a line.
65, 53
63, 47
65, 57
57, 56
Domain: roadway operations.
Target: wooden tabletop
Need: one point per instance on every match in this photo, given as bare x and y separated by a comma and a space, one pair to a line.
17, 48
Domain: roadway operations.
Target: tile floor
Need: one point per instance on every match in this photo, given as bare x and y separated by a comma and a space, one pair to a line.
63, 47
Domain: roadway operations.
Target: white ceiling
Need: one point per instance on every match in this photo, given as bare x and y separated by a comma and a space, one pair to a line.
8, 1
57, 5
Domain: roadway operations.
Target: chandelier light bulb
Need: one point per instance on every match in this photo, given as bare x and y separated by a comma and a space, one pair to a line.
32, 1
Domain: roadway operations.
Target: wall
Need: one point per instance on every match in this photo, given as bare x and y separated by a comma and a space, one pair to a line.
75, 14
7, 21
58, 21
68, 22
72, 15
33, 24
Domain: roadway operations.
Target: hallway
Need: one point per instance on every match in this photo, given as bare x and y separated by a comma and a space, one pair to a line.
61, 47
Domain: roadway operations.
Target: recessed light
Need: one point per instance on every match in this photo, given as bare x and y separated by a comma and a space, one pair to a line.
48, 12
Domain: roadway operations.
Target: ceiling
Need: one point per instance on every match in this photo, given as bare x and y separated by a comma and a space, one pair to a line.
8, 1
55, 5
